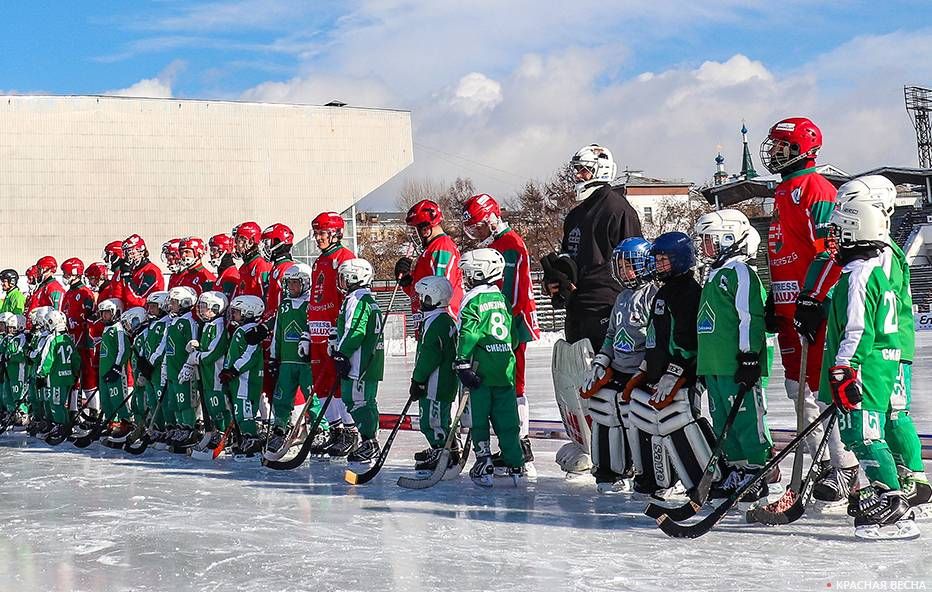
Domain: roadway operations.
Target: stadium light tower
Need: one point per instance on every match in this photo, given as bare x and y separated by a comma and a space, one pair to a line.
919, 106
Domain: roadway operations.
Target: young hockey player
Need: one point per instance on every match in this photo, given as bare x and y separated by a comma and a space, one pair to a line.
732, 345
7, 406
291, 372
802, 273
149, 363
254, 272
114, 355
14, 301
900, 431
49, 292
56, 374
221, 257
194, 275
322, 311
207, 354
862, 360
181, 393
663, 409
276, 244
39, 421
135, 322
433, 382
485, 364
439, 257
482, 221
17, 382
359, 354
242, 372
79, 307
138, 276
622, 351
171, 257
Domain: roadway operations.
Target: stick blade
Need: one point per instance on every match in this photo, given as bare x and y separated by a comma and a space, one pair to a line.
443, 465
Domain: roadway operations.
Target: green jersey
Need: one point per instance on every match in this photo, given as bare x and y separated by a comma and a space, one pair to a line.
436, 351
14, 302
213, 347
863, 332
245, 359
359, 335
897, 270
181, 330
155, 334
138, 349
485, 335
114, 349
290, 324
59, 361
14, 352
731, 319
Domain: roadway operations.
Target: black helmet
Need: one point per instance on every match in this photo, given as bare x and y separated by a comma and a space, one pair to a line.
10, 275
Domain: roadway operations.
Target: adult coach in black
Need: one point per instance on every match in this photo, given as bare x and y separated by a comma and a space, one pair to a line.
580, 277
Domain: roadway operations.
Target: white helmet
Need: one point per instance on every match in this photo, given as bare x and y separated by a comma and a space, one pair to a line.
19, 323
434, 291
55, 321
723, 234
251, 307
184, 296
114, 305
213, 301
159, 297
599, 162
134, 318
301, 272
860, 223
482, 266
7, 318
870, 189
37, 316
353, 274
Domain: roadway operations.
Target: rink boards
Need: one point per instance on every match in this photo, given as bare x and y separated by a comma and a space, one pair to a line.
554, 430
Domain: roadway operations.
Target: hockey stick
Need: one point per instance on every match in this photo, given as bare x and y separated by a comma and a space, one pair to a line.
360, 478
700, 493
85, 440
792, 506
697, 529
797, 475
443, 463
139, 445
293, 435
298, 459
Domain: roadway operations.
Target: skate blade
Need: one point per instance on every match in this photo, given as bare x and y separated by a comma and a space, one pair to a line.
112, 444
835, 508
206, 454
245, 458
922, 512
902, 530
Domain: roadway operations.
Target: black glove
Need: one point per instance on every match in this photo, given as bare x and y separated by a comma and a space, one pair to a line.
771, 325
417, 390
41, 382
112, 375
342, 364
257, 334
810, 314
403, 271
559, 269
273, 367
228, 375
748, 372
126, 274
144, 368
466, 374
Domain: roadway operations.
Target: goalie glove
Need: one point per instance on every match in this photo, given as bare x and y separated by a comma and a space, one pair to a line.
846, 391
668, 385
304, 346
466, 374
597, 375
808, 318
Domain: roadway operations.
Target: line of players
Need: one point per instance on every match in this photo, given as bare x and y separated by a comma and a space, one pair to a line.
188, 358
670, 338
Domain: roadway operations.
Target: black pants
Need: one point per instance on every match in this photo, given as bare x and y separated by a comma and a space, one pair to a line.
589, 323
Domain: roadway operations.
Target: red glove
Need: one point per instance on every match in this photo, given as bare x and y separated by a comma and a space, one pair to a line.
846, 390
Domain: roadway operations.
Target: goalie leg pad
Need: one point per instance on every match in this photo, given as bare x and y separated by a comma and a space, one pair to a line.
689, 451
608, 448
603, 408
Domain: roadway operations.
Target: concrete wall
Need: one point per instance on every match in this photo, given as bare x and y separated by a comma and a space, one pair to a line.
78, 172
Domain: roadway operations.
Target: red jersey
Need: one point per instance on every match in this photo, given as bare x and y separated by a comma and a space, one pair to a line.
517, 286
143, 281
273, 296
325, 300
440, 257
174, 280
198, 278
254, 276
49, 293
112, 288
228, 281
78, 305
797, 251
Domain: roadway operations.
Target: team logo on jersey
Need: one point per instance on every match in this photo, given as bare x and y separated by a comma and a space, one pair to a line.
623, 342
660, 306
293, 332
796, 195
572, 241
651, 341
169, 347
723, 283
705, 323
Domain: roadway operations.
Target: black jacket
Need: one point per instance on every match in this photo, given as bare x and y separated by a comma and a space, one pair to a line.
671, 332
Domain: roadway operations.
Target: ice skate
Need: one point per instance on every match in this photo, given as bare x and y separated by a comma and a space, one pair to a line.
881, 514
345, 441
428, 462
59, 433
277, 442
832, 491
365, 453
247, 447
918, 494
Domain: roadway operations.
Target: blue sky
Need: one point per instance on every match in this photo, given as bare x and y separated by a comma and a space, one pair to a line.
515, 86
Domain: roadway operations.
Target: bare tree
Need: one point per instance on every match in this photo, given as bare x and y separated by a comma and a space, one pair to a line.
537, 212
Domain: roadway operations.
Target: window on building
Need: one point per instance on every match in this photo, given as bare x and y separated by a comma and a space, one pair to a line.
648, 215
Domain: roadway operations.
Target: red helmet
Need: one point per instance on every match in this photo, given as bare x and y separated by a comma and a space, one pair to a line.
72, 267
113, 252
32, 275
171, 254
194, 243
219, 244
790, 140
95, 273
276, 238
424, 212
249, 230
328, 221
47, 263
134, 249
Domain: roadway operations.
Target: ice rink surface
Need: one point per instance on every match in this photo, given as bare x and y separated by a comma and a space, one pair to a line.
99, 520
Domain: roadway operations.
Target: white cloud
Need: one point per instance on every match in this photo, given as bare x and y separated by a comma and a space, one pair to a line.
159, 87
476, 93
